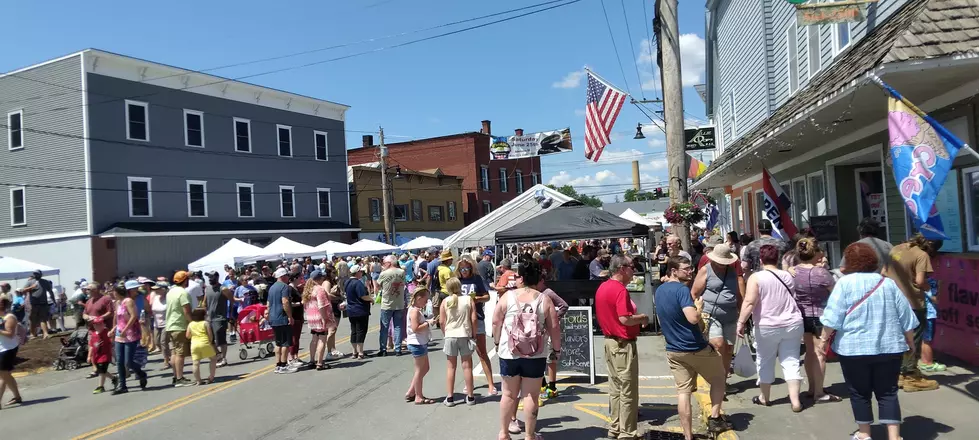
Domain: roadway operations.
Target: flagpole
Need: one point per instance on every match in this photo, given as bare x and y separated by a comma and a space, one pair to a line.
880, 83
587, 69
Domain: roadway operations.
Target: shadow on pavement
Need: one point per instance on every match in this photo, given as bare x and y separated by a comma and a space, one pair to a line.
347, 364
741, 421
588, 433
656, 414
554, 422
40, 401
915, 427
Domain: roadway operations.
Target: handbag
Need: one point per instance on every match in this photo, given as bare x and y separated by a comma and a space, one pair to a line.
828, 350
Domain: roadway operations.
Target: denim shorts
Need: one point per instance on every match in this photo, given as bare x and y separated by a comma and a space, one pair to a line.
528, 368
929, 334
418, 350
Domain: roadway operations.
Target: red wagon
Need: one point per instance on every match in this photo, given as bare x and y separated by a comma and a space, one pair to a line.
251, 330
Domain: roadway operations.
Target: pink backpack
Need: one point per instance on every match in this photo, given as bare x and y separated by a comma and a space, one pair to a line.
527, 332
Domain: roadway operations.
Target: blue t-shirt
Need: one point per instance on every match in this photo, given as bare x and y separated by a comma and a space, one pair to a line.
409, 268
277, 315
433, 271
475, 285
680, 334
356, 307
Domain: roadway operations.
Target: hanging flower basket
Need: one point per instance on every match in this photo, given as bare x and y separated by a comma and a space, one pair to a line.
684, 213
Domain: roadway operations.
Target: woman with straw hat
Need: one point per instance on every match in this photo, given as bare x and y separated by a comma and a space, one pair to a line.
720, 284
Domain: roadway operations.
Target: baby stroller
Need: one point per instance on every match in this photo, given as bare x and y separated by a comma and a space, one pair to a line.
74, 350
252, 331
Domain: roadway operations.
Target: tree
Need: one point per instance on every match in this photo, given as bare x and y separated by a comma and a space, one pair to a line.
569, 191
633, 195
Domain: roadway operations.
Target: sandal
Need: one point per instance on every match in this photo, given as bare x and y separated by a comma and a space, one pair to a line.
409, 399
829, 398
424, 401
757, 401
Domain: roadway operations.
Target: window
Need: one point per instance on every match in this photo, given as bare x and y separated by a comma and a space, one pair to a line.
487, 207
760, 206
375, 210
435, 214
319, 144
503, 182
451, 209
970, 184
841, 36
738, 216
401, 213
812, 34
534, 178
792, 52
733, 111
243, 135
287, 201
519, 179
137, 121
323, 202
15, 130
484, 178
800, 203
416, 211
817, 194
196, 198
18, 208
246, 199
193, 128
284, 135
140, 197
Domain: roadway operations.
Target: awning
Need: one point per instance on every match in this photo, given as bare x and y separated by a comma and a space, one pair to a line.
14, 268
280, 249
422, 242
329, 249
571, 222
634, 217
368, 247
522, 208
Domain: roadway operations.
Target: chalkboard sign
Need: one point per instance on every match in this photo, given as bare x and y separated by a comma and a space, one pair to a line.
577, 346
825, 227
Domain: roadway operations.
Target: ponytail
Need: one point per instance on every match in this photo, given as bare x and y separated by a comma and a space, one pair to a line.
454, 286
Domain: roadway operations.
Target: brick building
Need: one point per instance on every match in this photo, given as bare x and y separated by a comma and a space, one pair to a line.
486, 184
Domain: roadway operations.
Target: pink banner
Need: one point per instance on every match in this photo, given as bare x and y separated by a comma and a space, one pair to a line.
957, 329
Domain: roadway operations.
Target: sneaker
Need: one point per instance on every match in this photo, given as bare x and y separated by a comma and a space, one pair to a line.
119, 391
516, 427
289, 369
932, 367
329, 357
915, 382
381, 353
278, 370
183, 382
470, 400
99, 390
449, 402
716, 425
338, 354
223, 363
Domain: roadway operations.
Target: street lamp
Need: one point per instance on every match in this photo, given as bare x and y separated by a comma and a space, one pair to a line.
639, 134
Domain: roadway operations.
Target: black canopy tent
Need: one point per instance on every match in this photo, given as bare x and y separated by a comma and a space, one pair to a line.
572, 222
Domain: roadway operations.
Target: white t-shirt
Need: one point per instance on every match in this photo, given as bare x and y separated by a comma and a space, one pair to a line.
196, 291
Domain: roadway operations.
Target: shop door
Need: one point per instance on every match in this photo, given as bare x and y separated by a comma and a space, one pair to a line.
870, 197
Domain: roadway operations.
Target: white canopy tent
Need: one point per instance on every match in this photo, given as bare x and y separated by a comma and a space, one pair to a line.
522, 208
14, 269
224, 255
634, 216
422, 242
329, 249
368, 247
280, 249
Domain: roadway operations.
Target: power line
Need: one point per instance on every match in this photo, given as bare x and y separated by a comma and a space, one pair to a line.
632, 47
614, 47
649, 45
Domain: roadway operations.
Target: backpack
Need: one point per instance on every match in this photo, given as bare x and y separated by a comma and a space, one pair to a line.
526, 336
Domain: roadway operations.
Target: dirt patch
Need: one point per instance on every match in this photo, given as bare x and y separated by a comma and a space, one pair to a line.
38, 353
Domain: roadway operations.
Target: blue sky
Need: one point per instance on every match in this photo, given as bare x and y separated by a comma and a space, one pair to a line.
524, 73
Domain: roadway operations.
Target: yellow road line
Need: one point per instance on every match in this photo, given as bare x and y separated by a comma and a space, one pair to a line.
177, 403
585, 410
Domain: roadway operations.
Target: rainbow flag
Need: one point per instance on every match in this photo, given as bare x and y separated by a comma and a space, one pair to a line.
695, 168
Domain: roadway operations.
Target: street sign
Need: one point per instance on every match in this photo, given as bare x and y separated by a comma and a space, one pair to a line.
829, 13
698, 139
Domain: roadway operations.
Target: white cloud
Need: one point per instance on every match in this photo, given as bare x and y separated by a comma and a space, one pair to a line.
658, 164
570, 81
601, 177
579, 112
693, 61
611, 156
656, 143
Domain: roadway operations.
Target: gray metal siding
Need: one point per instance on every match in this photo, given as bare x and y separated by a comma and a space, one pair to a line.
51, 99
877, 13
741, 64
170, 164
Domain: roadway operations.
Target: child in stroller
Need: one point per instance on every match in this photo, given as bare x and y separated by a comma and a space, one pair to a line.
253, 328
74, 350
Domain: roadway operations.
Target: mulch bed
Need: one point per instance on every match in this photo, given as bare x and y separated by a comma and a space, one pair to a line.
38, 353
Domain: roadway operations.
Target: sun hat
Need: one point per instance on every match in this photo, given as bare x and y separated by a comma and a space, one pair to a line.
180, 276
162, 285
280, 272
722, 255
144, 280
446, 255
132, 284
713, 240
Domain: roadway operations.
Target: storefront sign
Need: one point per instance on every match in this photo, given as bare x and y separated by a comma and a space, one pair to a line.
698, 139
957, 332
825, 227
876, 201
829, 13
530, 145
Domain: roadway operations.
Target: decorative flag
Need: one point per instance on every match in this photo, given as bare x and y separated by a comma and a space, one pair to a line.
602, 105
695, 168
777, 207
922, 151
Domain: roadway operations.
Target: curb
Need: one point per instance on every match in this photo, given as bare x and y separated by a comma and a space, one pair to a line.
703, 399
20, 374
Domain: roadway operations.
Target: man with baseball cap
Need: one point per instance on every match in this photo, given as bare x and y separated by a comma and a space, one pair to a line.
177, 319
216, 298
281, 320
485, 267
441, 274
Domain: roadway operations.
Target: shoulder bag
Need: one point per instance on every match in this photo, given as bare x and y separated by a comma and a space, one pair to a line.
828, 351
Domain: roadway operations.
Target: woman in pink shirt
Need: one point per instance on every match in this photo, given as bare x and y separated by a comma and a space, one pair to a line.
319, 315
778, 326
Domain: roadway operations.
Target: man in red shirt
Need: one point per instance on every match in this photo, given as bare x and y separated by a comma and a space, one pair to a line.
620, 324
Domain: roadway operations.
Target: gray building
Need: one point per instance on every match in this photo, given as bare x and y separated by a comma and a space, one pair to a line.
117, 165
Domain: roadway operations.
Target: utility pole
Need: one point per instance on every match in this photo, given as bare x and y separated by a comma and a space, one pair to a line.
667, 29
385, 197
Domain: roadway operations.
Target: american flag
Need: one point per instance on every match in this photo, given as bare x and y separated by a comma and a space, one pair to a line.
601, 108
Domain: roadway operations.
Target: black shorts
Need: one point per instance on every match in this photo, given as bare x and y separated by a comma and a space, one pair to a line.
7, 359
102, 368
812, 326
318, 332
220, 329
40, 313
283, 335
336, 310
527, 368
